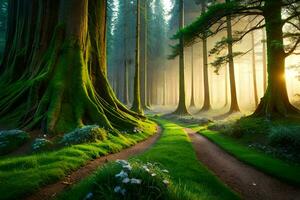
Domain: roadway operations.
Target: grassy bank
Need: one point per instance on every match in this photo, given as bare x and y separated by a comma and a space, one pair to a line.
21, 176
175, 153
283, 170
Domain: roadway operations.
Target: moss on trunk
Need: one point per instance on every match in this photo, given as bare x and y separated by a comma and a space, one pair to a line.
54, 74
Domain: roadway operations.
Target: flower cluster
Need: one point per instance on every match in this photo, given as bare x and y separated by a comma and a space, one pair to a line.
137, 130
124, 177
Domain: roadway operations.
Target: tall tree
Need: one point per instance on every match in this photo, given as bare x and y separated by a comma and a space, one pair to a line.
254, 69
136, 105
126, 66
206, 103
264, 60
145, 89
181, 109
234, 107
60, 84
275, 102
192, 104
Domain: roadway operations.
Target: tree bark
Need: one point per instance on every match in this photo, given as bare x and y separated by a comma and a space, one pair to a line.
206, 103
275, 102
264, 60
234, 103
192, 104
136, 105
226, 87
144, 96
181, 109
54, 76
254, 70
126, 81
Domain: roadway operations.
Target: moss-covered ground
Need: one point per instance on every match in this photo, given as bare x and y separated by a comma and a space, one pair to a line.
175, 153
237, 137
20, 176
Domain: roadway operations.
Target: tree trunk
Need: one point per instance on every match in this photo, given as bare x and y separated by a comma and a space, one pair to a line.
54, 72
206, 104
136, 105
145, 102
192, 104
181, 109
264, 60
126, 83
164, 87
275, 102
254, 70
234, 103
226, 86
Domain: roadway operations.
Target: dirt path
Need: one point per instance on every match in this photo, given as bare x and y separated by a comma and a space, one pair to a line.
248, 182
51, 191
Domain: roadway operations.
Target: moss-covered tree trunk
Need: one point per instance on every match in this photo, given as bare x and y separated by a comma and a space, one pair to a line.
136, 105
275, 102
54, 73
181, 109
144, 95
125, 57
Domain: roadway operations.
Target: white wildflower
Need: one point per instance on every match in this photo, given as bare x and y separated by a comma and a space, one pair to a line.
122, 174
126, 180
117, 189
127, 167
135, 181
146, 168
153, 174
166, 182
165, 171
122, 162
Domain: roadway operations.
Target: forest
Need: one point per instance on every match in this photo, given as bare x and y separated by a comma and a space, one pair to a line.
149, 99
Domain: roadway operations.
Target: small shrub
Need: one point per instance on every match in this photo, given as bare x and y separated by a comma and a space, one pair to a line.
133, 180
285, 136
250, 126
86, 134
193, 120
41, 144
223, 127
10, 140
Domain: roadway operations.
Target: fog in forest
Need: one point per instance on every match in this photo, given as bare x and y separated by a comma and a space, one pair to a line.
162, 73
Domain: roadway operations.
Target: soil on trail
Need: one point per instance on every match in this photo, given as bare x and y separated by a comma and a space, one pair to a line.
51, 191
248, 182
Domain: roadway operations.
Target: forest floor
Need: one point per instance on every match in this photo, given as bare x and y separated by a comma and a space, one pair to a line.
244, 179
173, 151
50, 191
208, 166
249, 182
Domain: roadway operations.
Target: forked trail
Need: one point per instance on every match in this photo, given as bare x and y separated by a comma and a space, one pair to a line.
248, 182
51, 191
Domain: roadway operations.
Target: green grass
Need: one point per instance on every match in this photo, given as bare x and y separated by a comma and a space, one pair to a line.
174, 152
280, 169
20, 176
